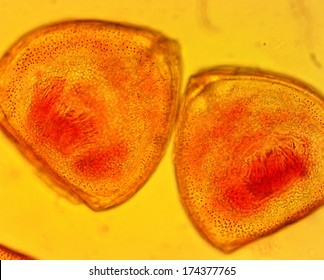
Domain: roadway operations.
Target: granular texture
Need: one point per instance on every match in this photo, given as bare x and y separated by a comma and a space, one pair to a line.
7, 254
92, 105
248, 153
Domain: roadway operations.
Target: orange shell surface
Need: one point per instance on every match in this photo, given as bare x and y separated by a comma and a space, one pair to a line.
7, 254
248, 153
92, 104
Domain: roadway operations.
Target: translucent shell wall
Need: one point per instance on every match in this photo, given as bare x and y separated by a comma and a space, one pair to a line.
248, 153
92, 105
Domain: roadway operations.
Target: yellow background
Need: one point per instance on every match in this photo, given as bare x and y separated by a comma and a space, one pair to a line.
283, 36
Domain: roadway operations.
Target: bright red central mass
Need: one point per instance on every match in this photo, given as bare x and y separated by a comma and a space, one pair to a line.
269, 173
62, 125
266, 174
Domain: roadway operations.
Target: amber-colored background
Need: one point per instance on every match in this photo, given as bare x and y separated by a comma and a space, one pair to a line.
283, 36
